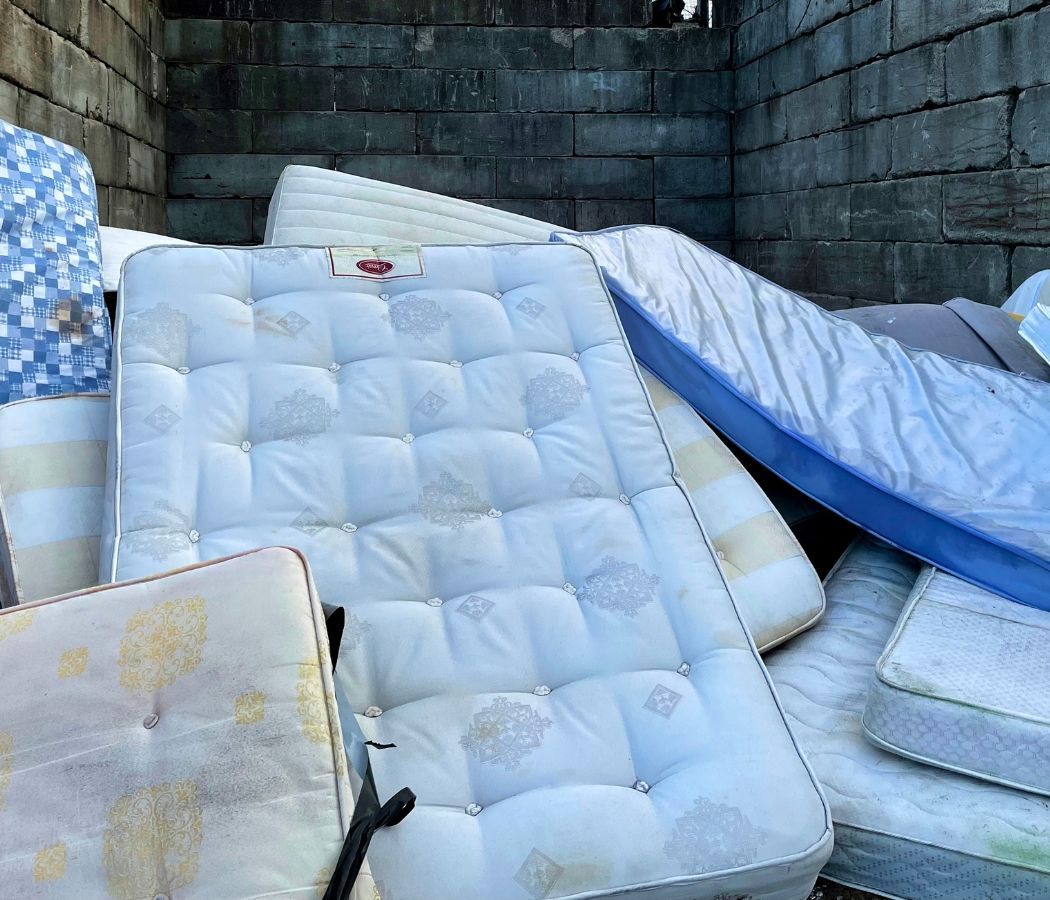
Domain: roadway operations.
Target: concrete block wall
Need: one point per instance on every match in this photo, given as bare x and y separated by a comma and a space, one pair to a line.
91, 73
895, 150
566, 110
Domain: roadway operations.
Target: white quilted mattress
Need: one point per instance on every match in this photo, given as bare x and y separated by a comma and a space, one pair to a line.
777, 589
536, 622
318, 206
964, 683
902, 829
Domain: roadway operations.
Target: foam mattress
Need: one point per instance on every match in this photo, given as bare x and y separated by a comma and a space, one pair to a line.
778, 591
895, 439
964, 683
173, 737
537, 629
52, 479
902, 829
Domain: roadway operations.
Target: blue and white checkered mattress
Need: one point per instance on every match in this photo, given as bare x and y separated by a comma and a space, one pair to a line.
54, 329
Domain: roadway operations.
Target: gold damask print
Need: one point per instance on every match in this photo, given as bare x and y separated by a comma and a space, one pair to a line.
249, 708
313, 710
73, 662
317, 710
162, 643
152, 841
49, 864
7, 752
16, 622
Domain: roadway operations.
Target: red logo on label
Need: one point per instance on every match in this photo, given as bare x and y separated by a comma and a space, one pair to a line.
375, 266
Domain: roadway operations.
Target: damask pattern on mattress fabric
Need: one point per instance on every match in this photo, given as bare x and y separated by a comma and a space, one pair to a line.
534, 618
54, 329
175, 737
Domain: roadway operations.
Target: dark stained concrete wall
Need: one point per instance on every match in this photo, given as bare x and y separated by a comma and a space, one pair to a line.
91, 73
895, 150
567, 110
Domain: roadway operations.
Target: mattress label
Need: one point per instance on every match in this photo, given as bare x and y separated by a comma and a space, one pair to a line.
383, 263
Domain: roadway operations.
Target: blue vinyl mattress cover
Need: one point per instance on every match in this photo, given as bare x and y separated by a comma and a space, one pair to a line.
943, 458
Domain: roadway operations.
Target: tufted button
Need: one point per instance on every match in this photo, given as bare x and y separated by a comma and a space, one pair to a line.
625, 500
528, 432
435, 601
498, 295
408, 438
150, 720
720, 554
348, 527
246, 446
334, 367
384, 297
684, 669
183, 370
575, 356
495, 513
569, 588
248, 301
456, 364
472, 809
161, 897
541, 690
373, 712
641, 786
195, 536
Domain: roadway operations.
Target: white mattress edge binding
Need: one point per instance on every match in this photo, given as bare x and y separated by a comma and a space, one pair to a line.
273, 206
818, 584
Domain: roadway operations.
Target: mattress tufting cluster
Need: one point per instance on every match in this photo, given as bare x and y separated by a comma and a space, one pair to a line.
535, 620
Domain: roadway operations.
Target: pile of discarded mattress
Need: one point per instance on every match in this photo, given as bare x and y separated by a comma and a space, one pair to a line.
545, 579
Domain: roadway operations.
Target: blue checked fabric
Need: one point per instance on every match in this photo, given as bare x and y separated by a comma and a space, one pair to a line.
54, 329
